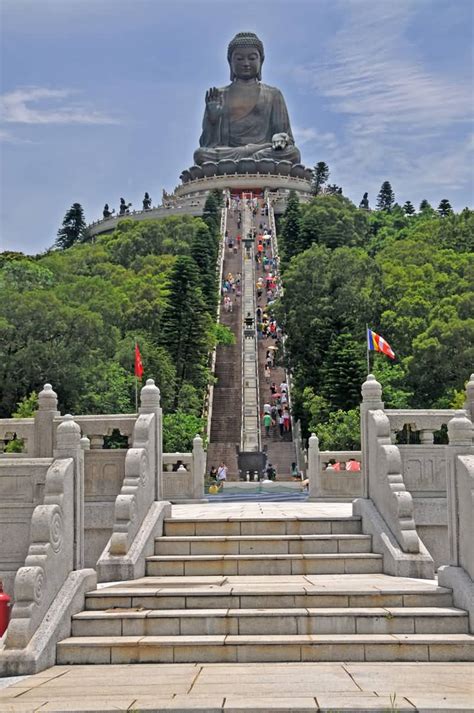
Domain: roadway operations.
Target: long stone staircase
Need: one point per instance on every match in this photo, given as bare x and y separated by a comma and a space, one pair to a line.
226, 409
301, 587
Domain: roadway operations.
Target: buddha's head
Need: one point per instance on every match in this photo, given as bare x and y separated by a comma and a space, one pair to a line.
245, 56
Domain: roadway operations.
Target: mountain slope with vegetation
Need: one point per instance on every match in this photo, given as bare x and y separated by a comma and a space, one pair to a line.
409, 276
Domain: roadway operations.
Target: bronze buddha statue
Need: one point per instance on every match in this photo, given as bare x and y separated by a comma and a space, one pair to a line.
246, 119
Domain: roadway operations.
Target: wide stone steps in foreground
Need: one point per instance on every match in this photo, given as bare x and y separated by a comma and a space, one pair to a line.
348, 563
268, 647
241, 589
263, 544
210, 622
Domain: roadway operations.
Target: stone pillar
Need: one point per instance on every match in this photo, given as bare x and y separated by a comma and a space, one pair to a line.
426, 437
69, 445
199, 468
460, 435
469, 404
150, 403
314, 475
371, 400
44, 426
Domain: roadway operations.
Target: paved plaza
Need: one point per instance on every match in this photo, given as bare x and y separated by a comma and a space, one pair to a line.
212, 688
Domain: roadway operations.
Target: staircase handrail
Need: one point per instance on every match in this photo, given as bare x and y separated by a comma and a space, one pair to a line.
208, 401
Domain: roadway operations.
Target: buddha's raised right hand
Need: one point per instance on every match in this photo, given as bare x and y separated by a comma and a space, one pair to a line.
213, 103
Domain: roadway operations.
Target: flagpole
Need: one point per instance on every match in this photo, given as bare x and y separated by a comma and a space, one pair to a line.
367, 344
136, 394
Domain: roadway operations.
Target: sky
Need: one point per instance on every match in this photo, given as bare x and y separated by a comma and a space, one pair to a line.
104, 98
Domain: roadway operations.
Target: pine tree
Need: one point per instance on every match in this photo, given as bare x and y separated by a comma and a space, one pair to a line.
320, 176
210, 214
73, 227
386, 197
343, 371
425, 206
409, 208
444, 208
204, 254
291, 231
185, 325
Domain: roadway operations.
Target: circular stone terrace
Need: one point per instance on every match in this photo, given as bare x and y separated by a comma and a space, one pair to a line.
190, 197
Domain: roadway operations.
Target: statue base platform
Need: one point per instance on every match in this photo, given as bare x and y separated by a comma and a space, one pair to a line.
190, 197
246, 182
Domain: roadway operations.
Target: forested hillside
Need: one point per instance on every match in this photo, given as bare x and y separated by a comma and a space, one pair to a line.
409, 276
72, 317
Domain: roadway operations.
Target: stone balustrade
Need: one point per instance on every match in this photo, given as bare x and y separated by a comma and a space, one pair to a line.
329, 483
458, 574
52, 581
184, 485
140, 484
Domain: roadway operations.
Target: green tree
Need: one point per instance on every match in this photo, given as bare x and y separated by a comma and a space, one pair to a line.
425, 208
73, 227
343, 371
186, 326
320, 177
334, 221
444, 208
291, 228
333, 189
204, 254
409, 208
211, 213
179, 430
386, 197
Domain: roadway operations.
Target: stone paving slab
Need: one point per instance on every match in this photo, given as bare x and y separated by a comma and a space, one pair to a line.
228, 688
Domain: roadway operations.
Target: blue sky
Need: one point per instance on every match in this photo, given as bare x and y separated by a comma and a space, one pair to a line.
104, 98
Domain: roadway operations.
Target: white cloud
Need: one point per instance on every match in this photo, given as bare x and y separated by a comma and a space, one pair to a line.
15, 107
310, 135
6, 137
396, 119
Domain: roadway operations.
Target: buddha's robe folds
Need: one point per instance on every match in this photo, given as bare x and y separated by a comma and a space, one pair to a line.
248, 136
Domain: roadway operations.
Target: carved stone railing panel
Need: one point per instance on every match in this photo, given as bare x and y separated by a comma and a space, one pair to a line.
104, 474
428, 420
22, 482
141, 484
52, 549
386, 485
424, 470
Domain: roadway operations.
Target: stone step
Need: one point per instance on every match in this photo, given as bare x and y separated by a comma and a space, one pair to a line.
248, 648
263, 526
262, 544
204, 622
175, 595
182, 565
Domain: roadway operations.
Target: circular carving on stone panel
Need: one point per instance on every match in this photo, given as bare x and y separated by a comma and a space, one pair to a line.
38, 586
196, 172
56, 531
226, 166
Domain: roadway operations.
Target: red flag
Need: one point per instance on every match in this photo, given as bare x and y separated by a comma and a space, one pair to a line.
138, 363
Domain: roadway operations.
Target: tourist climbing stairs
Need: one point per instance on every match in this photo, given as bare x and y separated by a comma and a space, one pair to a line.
226, 406
271, 586
280, 449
